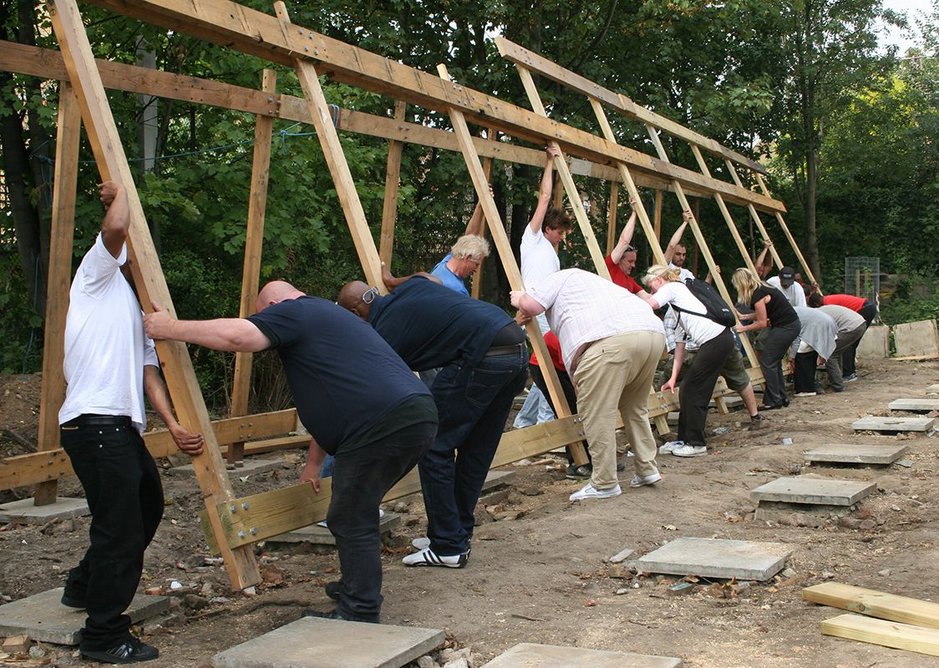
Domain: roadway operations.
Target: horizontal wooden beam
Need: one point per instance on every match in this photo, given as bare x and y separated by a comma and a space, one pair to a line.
37, 467
550, 70
249, 31
48, 64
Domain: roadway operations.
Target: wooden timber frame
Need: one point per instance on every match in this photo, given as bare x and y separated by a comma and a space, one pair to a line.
236, 524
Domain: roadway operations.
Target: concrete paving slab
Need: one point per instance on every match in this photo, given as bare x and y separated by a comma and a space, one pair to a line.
319, 535
717, 558
809, 490
875, 344
25, 511
251, 466
924, 405
916, 339
531, 655
856, 453
328, 643
43, 617
933, 389
874, 423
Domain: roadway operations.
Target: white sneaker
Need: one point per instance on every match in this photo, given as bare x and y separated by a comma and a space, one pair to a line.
421, 543
690, 451
806, 394
668, 447
643, 480
428, 557
588, 491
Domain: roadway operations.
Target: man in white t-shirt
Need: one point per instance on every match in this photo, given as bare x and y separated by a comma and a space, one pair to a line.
109, 365
611, 341
539, 258
786, 283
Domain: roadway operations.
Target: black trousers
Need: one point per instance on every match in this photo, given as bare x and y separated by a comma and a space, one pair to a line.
697, 386
777, 342
361, 477
122, 486
567, 385
804, 379
848, 363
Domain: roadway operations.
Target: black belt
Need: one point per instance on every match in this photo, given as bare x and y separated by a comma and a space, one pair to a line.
505, 350
95, 420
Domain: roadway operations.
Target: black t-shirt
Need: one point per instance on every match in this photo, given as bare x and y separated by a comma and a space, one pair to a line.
431, 326
778, 309
346, 381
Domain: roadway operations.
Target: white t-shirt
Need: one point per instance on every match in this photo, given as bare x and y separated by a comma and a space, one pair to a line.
698, 328
794, 293
539, 259
583, 308
683, 274
105, 345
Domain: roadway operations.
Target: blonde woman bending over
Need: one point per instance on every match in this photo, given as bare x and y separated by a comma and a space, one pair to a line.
715, 344
771, 310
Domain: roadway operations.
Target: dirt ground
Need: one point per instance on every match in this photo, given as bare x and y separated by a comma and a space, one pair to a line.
541, 572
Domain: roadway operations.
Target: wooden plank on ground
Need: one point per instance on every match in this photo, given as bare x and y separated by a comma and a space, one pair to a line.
880, 632
874, 603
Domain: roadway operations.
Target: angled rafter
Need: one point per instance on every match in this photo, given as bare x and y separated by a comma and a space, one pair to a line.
147, 273
260, 34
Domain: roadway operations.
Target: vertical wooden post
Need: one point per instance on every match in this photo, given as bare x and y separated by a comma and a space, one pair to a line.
573, 195
60, 272
611, 217
389, 209
501, 240
254, 241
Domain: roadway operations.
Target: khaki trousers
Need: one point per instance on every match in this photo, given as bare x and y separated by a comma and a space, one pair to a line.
615, 375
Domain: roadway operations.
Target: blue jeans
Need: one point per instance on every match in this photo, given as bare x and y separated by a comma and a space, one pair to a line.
123, 490
473, 404
361, 478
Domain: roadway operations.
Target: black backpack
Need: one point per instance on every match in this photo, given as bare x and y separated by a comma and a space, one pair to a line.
715, 307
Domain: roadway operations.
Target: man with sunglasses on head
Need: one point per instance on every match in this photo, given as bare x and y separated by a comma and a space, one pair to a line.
357, 399
483, 364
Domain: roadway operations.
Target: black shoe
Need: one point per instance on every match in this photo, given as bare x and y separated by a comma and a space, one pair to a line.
335, 614
334, 589
73, 601
581, 472
129, 651
758, 421
765, 407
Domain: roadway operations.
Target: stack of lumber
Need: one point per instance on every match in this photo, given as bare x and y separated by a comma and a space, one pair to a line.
885, 619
